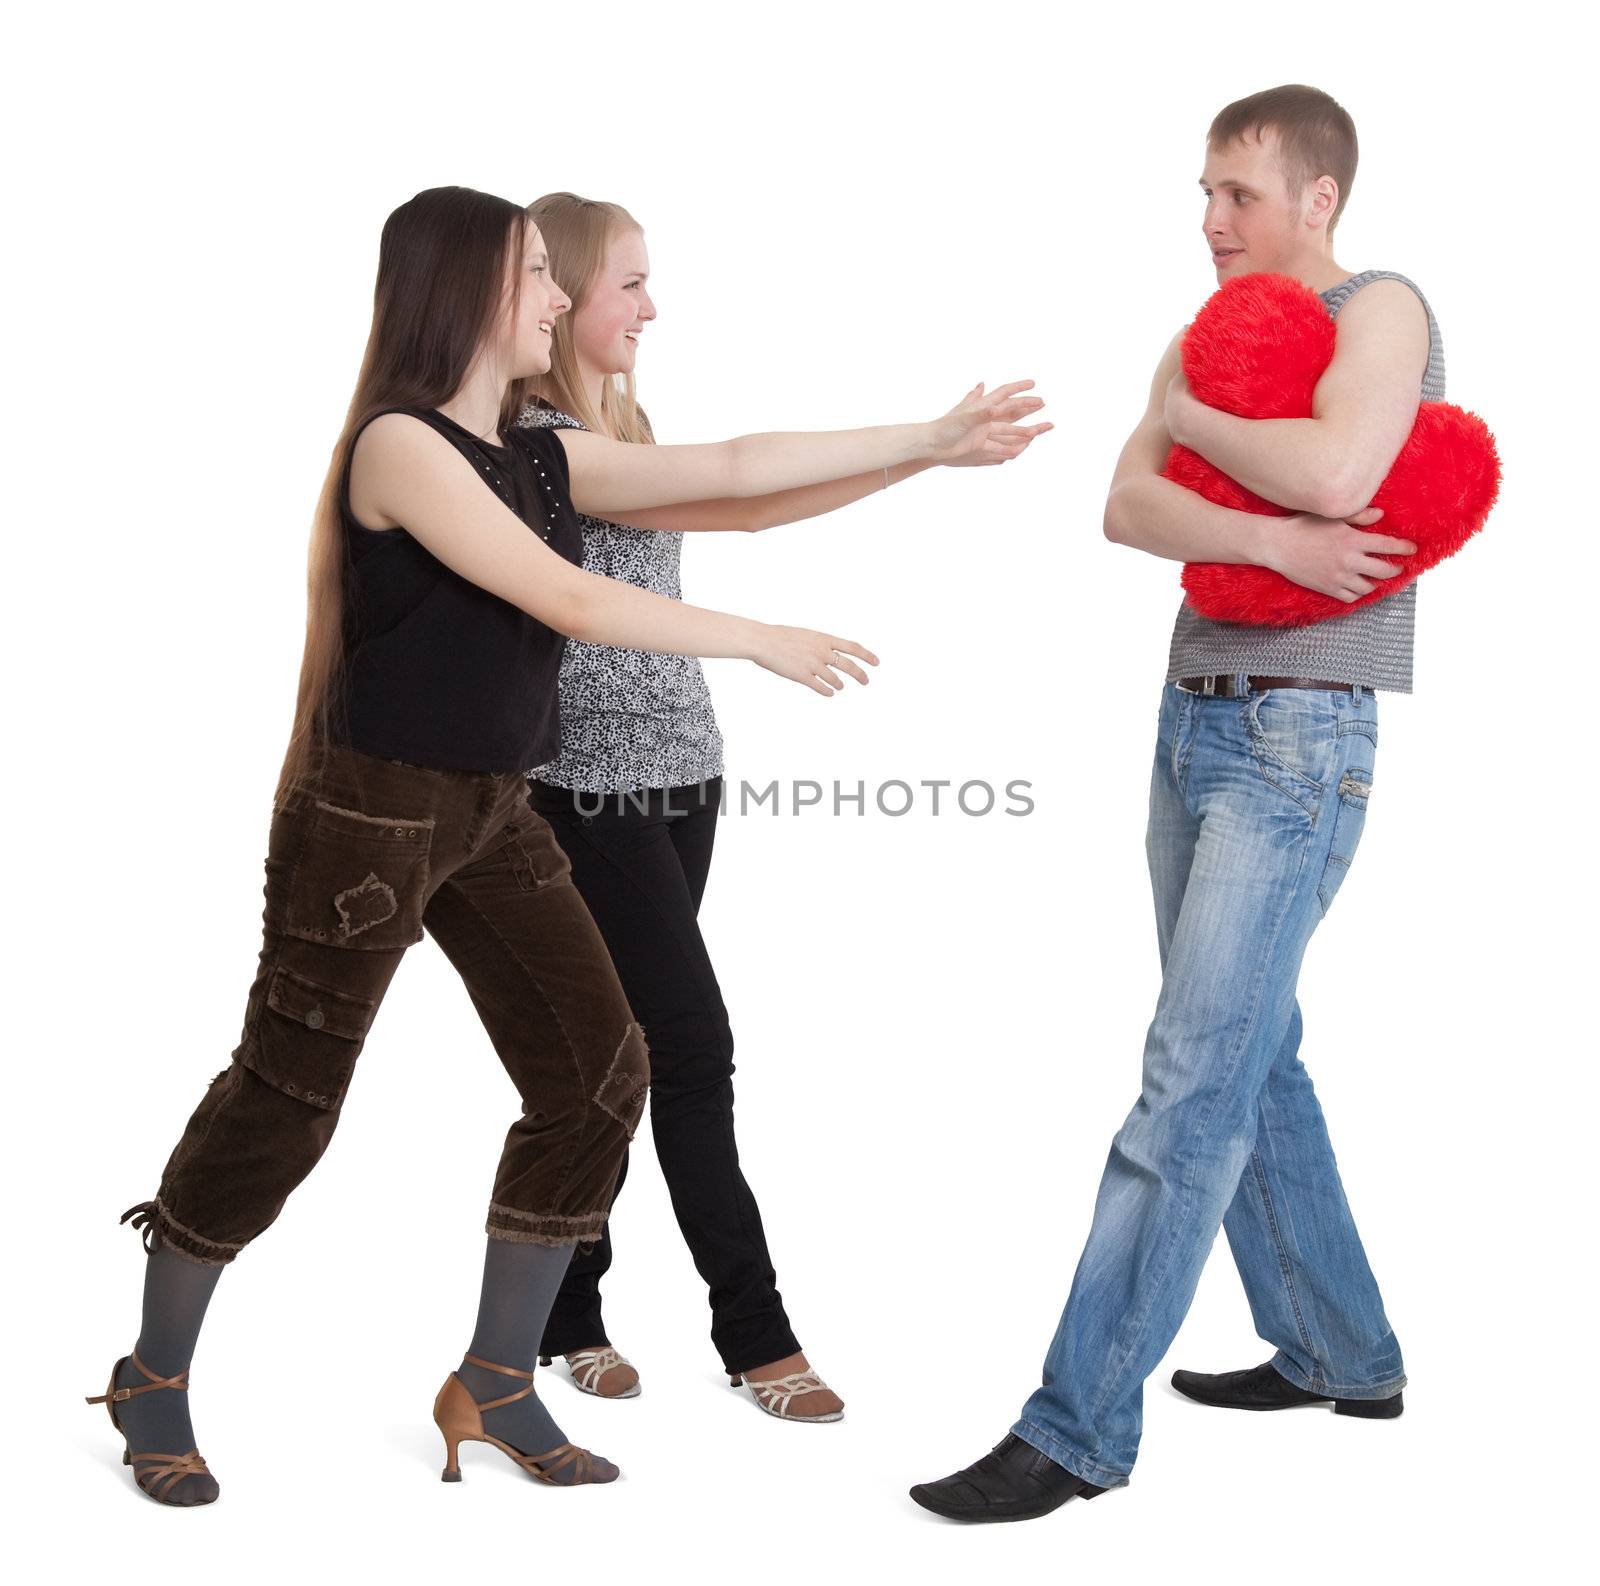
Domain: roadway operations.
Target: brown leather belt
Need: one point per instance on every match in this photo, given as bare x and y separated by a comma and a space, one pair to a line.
1223, 685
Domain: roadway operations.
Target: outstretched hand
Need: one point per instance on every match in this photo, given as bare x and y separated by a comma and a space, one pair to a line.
982, 427
814, 659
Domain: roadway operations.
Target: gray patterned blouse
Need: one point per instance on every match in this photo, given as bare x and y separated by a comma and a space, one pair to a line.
630, 719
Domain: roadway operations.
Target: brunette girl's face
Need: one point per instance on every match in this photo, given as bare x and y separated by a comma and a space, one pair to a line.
541, 303
605, 331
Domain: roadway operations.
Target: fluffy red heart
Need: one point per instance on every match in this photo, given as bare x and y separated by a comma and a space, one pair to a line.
1257, 349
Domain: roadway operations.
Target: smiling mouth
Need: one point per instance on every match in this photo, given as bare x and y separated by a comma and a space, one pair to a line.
547, 327
630, 335
1225, 253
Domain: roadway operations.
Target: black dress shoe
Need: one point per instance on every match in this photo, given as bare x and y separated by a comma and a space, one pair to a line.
1261, 1388
1014, 1481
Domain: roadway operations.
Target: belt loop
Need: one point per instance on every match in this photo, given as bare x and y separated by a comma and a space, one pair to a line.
1241, 685
1356, 692
1208, 684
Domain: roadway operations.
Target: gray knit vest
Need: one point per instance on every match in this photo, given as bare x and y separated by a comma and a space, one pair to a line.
1370, 645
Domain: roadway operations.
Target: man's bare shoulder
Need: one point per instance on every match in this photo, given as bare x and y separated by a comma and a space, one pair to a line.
1386, 306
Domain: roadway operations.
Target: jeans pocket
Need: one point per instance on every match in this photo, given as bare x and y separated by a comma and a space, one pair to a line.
1294, 738
359, 880
1355, 788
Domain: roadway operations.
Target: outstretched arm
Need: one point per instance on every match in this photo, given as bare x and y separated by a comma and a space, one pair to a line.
812, 501
404, 471
610, 478
1156, 515
754, 513
1365, 404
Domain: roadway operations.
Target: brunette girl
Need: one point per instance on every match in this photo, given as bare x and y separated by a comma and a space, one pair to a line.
633, 798
443, 576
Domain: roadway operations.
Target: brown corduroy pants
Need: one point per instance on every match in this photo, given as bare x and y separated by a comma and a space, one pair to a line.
358, 864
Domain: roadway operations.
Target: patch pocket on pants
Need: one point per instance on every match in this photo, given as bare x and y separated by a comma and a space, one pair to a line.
361, 880
622, 1092
1355, 788
307, 1042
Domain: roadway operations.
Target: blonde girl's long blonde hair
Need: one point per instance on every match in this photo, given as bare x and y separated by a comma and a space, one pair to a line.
444, 262
577, 236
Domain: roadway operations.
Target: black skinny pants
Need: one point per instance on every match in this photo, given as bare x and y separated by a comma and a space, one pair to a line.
642, 872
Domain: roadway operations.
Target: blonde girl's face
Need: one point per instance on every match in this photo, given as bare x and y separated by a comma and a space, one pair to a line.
541, 304
606, 330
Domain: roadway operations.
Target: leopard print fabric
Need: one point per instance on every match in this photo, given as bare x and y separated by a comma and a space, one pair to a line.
630, 719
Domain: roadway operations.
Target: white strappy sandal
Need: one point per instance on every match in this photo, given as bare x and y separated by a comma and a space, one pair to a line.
588, 1366
777, 1393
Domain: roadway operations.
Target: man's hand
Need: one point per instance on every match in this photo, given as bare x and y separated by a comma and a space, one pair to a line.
1332, 555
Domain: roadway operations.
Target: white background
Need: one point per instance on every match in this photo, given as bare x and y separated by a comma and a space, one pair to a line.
853, 212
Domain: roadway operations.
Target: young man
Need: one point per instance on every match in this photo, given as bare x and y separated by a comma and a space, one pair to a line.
1263, 765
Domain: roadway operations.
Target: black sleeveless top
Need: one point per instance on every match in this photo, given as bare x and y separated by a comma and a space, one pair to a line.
439, 672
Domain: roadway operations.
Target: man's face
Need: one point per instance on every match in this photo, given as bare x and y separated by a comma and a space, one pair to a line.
1253, 222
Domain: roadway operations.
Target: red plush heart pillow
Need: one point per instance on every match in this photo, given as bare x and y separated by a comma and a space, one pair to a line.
1257, 349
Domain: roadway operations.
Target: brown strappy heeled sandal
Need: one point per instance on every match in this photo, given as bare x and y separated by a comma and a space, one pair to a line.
459, 1418
155, 1474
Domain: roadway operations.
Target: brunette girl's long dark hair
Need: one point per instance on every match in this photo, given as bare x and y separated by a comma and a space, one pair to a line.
449, 266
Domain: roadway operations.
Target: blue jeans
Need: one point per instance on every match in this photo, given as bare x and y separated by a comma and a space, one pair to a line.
1256, 808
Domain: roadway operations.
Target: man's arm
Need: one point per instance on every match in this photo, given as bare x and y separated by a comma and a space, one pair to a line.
1365, 404
1152, 514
